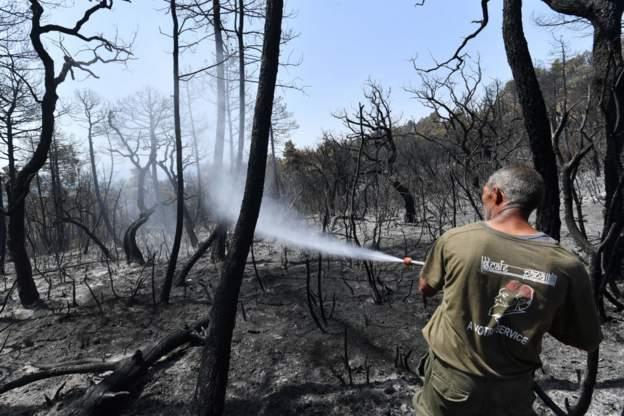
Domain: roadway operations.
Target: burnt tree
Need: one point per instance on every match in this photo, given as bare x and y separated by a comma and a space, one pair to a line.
3, 230
375, 128
605, 17
212, 379
20, 186
89, 102
200, 213
180, 208
535, 116
18, 107
219, 250
58, 196
170, 172
240, 30
218, 34
131, 151
607, 97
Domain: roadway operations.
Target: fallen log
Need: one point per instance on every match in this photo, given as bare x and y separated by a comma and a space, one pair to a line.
112, 393
60, 370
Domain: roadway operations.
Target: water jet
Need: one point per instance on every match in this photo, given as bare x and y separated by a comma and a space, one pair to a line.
285, 225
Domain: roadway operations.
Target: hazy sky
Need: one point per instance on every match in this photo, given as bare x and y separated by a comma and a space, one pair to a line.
341, 43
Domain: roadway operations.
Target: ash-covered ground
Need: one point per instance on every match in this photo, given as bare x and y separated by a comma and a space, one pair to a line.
282, 363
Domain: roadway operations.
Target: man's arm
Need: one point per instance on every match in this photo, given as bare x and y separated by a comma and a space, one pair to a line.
431, 279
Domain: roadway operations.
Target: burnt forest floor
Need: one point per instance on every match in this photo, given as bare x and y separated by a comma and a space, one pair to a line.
282, 363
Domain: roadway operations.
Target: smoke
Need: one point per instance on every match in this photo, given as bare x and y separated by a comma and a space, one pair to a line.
285, 225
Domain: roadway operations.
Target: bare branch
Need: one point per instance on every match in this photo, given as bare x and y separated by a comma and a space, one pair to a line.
458, 55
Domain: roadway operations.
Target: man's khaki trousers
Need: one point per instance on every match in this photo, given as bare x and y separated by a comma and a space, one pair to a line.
450, 392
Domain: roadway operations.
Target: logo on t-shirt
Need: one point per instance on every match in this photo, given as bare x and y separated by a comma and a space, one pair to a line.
514, 298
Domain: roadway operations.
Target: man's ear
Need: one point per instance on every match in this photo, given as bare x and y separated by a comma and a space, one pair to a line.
498, 195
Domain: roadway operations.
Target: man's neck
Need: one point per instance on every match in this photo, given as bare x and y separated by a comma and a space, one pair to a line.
511, 221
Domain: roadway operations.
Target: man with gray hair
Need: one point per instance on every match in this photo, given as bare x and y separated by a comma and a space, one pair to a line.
523, 188
504, 286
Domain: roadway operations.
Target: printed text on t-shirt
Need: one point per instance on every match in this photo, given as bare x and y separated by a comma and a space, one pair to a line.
500, 267
486, 331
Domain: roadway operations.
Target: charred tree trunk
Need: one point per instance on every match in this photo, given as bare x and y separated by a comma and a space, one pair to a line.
130, 246
535, 116
131, 249
57, 197
3, 231
408, 200
189, 224
201, 250
173, 258
161, 217
96, 184
212, 379
219, 250
218, 253
608, 86
220, 137
228, 110
141, 189
26, 288
45, 237
241, 83
44, 228
277, 192
200, 214
614, 131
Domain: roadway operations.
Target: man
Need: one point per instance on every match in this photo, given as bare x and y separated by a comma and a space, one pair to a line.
504, 286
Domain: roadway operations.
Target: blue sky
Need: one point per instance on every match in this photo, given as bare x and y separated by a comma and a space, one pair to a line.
341, 43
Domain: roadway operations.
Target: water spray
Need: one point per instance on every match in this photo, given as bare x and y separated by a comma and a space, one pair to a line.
283, 224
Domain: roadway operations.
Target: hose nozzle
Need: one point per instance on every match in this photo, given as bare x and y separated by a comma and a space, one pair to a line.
408, 261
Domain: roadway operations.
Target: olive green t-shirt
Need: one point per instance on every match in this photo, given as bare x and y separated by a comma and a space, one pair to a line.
501, 295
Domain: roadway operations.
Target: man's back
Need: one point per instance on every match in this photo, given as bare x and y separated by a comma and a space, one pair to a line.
501, 294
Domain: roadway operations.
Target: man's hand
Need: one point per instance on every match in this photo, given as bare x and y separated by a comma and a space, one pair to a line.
424, 288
